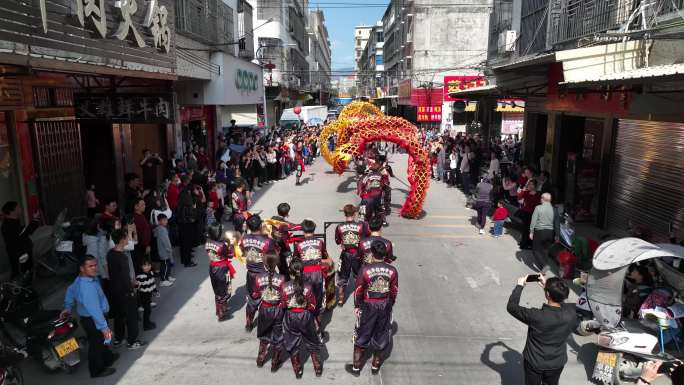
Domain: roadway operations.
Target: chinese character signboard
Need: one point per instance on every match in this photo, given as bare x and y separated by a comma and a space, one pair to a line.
134, 34
125, 108
429, 114
459, 83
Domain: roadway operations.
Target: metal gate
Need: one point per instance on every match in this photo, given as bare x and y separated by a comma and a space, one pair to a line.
57, 151
647, 176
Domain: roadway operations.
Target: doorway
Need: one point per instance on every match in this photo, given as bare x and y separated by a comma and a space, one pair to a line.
99, 163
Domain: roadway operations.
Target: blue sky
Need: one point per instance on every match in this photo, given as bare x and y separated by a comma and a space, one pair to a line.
341, 22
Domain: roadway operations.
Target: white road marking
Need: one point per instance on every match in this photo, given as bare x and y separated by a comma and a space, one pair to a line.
471, 282
494, 274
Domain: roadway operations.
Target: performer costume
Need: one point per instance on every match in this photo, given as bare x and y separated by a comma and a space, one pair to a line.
282, 237
269, 292
299, 160
311, 251
221, 273
299, 327
387, 191
349, 235
239, 200
365, 255
376, 291
254, 247
372, 187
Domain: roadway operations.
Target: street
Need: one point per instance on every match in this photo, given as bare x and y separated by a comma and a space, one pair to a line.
451, 324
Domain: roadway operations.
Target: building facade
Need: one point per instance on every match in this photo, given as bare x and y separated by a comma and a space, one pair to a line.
217, 82
361, 35
82, 91
320, 57
425, 47
371, 77
281, 41
602, 82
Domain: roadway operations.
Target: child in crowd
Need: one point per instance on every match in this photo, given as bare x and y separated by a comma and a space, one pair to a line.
211, 216
91, 201
165, 250
499, 217
146, 285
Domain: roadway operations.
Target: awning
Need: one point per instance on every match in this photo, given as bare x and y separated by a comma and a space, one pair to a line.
488, 90
544, 58
645, 73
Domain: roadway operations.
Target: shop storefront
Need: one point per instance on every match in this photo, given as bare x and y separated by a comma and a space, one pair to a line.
198, 125
207, 107
115, 129
91, 82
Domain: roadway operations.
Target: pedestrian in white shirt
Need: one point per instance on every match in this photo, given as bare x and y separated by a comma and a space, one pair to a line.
494, 166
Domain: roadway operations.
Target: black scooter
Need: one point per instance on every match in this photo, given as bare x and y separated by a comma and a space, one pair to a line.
48, 338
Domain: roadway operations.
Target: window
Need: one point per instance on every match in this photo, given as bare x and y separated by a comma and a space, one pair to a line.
378, 36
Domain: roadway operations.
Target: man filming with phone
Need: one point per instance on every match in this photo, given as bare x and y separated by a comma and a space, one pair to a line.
545, 352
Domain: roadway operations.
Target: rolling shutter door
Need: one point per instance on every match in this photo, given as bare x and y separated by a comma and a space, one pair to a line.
60, 167
647, 185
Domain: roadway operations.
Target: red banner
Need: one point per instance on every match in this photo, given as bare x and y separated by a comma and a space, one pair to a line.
459, 83
429, 114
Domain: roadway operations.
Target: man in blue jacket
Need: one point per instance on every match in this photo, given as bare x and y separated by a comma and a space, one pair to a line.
92, 306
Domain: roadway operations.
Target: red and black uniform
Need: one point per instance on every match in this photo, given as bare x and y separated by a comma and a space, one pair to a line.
254, 247
311, 251
349, 235
365, 255
387, 191
239, 201
298, 323
221, 273
373, 184
376, 291
299, 159
270, 292
283, 238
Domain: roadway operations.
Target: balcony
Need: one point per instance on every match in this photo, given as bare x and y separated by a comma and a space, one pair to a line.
584, 21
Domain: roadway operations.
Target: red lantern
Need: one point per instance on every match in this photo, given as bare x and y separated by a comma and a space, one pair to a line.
297, 110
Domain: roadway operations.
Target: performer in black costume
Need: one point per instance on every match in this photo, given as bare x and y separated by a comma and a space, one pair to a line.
298, 324
269, 291
348, 235
221, 271
376, 292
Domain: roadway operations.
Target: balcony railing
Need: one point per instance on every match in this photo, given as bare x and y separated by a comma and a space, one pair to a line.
533, 26
573, 20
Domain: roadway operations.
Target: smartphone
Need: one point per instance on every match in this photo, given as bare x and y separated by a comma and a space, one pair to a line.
665, 367
533, 278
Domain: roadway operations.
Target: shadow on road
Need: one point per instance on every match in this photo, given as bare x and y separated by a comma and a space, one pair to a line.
347, 185
586, 354
237, 301
526, 257
510, 370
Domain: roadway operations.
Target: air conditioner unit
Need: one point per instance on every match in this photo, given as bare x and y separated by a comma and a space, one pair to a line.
507, 41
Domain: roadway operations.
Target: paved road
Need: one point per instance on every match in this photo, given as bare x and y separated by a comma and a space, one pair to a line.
452, 326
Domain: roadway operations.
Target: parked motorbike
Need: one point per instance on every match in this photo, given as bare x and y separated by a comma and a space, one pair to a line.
67, 247
10, 373
624, 344
48, 339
